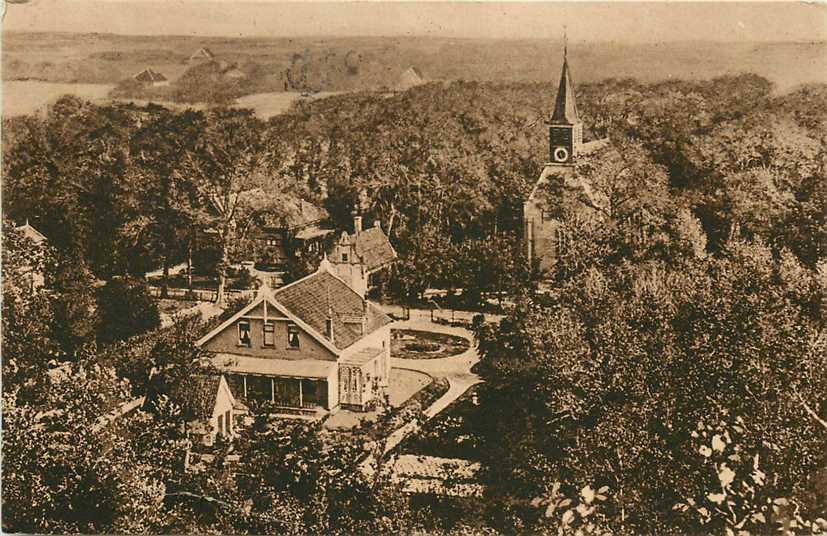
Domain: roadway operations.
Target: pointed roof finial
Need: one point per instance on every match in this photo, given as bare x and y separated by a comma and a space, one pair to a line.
565, 43
325, 265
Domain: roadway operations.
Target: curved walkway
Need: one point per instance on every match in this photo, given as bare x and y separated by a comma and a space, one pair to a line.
457, 369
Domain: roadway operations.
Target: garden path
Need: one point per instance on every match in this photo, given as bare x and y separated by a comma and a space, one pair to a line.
457, 370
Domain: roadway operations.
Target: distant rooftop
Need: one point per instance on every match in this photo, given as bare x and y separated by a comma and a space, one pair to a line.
31, 233
148, 75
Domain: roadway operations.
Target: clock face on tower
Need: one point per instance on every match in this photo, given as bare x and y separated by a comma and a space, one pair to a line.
560, 154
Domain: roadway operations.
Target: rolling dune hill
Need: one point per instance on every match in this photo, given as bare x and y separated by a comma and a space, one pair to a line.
370, 63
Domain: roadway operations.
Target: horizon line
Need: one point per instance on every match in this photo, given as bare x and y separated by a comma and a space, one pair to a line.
419, 36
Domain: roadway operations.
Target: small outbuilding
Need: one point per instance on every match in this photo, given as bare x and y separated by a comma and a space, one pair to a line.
410, 78
209, 408
202, 54
151, 78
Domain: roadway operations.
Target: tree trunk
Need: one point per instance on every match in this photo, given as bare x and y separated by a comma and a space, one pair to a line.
222, 275
391, 219
165, 278
189, 259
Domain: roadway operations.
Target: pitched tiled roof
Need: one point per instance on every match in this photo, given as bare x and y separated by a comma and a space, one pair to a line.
148, 75
293, 214
362, 356
312, 298
313, 231
373, 248
305, 214
31, 233
196, 395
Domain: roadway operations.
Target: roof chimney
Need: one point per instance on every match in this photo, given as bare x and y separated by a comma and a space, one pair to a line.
377, 223
357, 223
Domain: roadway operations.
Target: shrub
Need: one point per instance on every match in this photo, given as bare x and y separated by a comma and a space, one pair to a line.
126, 309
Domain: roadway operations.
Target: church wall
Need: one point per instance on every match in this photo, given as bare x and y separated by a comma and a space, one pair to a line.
541, 231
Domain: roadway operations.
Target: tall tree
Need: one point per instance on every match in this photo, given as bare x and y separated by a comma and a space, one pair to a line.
229, 169
163, 199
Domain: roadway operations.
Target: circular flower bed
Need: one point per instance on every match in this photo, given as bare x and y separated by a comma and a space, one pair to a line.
423, 346
415, 344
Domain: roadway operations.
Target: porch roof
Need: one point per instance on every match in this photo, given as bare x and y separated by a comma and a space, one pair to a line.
312, 232
361, 357
300, 368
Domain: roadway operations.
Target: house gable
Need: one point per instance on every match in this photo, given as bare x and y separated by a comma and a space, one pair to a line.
225, 339
224, 399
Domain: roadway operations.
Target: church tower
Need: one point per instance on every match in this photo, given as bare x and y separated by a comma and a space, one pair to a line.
565, 130
544, 234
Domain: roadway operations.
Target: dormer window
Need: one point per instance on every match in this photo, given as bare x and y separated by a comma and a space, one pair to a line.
244, 333
344, 257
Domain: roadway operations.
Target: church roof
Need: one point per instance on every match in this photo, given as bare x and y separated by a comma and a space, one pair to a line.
565, 107
568, 172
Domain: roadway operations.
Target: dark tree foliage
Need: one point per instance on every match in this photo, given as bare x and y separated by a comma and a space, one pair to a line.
125, 309
681, 341
74, 310
608, 379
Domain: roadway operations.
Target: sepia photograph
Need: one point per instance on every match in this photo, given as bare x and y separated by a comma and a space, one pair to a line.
444, 268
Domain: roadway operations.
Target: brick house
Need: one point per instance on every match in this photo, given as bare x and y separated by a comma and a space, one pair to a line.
544, 233
358, 256
312, 346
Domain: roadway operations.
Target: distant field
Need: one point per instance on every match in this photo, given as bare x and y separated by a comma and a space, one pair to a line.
266, 105
25, 97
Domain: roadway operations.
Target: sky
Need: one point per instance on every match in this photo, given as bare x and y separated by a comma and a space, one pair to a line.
628, 22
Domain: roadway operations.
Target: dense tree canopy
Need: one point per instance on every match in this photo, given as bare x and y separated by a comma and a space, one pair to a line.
677, 356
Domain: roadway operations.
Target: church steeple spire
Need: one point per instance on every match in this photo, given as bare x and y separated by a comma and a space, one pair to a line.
565, 107
565, 127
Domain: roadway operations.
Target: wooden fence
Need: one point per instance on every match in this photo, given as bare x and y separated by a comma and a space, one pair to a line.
197, 294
